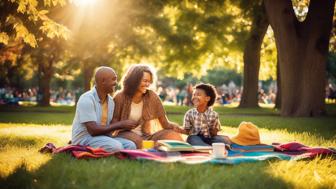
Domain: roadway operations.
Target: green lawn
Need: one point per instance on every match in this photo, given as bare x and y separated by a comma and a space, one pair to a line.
24, 130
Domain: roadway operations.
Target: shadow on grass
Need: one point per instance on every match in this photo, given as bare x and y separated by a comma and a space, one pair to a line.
21, 178
63, 171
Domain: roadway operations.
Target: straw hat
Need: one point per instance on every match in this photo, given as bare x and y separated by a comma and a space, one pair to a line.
248, 134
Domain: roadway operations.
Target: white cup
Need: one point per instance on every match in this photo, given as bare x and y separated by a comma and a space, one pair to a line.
218, 150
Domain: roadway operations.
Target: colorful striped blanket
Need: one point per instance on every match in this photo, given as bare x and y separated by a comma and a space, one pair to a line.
236, 154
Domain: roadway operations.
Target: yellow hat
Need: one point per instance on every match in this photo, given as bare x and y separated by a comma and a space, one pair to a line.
248, 134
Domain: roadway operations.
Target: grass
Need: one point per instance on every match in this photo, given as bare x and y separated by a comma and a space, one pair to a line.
24, 130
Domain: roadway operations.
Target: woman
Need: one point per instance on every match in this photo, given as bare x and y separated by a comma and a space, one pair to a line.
137, 102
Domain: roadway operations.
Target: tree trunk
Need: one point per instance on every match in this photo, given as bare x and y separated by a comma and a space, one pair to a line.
88, 74
302, 48
251, 57
278, 92
45, 74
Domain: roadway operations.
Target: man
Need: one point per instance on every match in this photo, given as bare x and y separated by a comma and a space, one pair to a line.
91, 125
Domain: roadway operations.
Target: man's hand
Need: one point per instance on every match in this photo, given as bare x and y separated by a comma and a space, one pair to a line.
96, 130
128, 124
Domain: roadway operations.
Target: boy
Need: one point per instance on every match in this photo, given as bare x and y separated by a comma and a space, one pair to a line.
202, 122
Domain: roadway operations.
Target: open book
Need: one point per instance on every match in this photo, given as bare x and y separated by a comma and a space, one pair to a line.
176, 145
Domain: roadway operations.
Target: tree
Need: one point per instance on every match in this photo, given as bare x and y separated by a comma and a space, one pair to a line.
278, 92
29, 23
18, 19
252, 57
205, 36
49, 53
116, 37
302, 49
199, 35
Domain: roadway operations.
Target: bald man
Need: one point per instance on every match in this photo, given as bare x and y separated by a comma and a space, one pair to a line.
92, 123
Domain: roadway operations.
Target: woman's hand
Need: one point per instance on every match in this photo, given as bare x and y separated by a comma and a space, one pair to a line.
180, 130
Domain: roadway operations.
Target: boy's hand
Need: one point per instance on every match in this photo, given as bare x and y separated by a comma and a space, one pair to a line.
213, 131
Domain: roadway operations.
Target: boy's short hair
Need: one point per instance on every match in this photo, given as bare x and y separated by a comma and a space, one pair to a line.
209, 91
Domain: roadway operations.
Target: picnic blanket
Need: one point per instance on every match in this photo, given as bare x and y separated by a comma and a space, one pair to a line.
78, 151
295, 148
241, 154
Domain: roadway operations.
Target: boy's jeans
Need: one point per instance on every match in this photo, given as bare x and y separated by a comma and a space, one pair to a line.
200, 140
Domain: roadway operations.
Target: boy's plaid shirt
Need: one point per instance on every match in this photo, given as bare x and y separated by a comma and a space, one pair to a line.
200, 123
